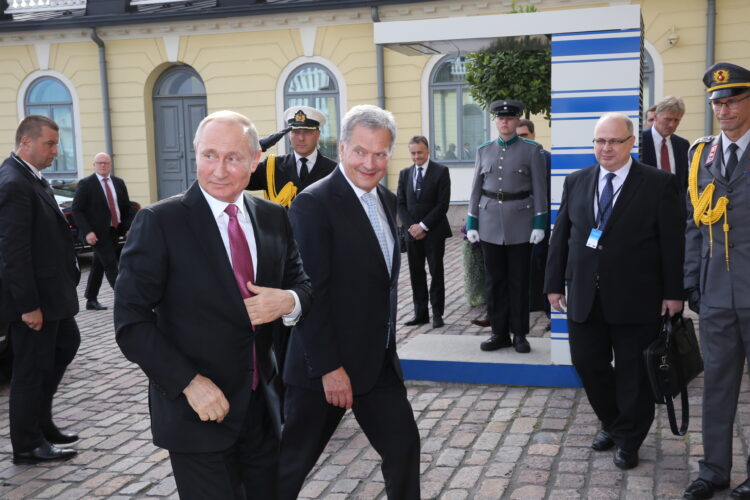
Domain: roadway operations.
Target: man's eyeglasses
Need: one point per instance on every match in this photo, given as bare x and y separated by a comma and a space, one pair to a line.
611, 142
729, 103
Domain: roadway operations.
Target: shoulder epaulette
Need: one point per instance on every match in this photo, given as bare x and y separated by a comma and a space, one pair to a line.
705, 138
485, 144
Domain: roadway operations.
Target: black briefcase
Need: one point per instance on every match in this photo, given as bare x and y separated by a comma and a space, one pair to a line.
674, 359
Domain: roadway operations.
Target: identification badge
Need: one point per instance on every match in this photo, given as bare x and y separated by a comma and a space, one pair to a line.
593, 241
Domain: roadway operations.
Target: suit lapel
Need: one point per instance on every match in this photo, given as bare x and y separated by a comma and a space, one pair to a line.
410, 193
45, 196
263, 244
589, 187
715, 166
629, 188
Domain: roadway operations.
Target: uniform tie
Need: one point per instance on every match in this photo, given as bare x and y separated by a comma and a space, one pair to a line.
303, 169
242, 265
732, 162
111, 202
372, 214
605, 203
665, 156
418, 189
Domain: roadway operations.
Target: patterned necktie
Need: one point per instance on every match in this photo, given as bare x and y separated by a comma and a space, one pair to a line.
418, 189
732, 162
606, 202
303, 169
111, 202
372, 214
665, 156
242, 265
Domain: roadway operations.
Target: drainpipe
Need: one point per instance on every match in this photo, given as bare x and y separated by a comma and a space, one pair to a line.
104, 83
379, 61
708, 124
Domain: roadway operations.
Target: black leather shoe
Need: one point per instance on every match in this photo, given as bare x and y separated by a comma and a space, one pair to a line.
483, 322
56, 436
417, 321
741, 491
602, 441
496, 342
94, 305
43, 453
520, 344
437, 321
625, 459
703, 488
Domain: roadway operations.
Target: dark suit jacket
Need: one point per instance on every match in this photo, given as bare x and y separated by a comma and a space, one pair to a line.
432, 206
37, 261
178, 313
91, 210
354, 309
639, 260
286, 171
680, 149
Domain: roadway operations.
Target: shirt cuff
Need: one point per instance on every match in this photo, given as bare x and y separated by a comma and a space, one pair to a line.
421, 224
292, 318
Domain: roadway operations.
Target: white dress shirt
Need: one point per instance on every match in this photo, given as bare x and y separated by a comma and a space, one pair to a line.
310, 161
114, 193
222, 221
658, 139
742, 144
620, 175
424, 172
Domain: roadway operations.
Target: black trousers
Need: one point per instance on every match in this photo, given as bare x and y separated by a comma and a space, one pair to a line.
431, 250
386, 418
103, 263
39, 362
621, 395
247, 470
506, 281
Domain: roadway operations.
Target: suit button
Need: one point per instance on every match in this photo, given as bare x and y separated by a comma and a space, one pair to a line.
729, 190
731, 245
729, 207
499, 178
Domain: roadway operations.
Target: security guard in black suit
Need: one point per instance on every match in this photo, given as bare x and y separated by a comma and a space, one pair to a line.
289, 174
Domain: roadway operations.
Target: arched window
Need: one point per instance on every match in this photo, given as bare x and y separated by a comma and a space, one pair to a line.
458, 123
48, 96
313, 85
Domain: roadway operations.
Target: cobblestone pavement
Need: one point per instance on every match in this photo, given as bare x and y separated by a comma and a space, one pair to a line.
478, 441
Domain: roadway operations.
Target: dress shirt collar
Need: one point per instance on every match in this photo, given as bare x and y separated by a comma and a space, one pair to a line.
357, 191
742, 144
217, 206
310, 158
658, 138
423, 167
101, 177
37, 173
621, 173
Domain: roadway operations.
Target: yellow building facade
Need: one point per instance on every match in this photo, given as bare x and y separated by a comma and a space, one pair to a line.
245, 63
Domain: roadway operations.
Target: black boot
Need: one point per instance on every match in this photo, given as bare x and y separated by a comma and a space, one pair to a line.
496, 342
521, 344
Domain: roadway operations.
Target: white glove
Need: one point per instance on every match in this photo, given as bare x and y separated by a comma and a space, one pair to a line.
472, 235
537, 235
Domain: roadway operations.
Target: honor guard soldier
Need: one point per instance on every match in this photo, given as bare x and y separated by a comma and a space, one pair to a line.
282, 177
717, 269
508, 213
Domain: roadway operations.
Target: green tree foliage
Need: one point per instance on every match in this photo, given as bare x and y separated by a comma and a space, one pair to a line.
519, 69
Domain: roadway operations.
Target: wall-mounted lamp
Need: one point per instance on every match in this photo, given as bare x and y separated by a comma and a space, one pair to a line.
673, 37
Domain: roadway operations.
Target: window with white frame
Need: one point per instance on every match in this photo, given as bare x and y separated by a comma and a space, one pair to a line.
458, 125
48, 96
315, 86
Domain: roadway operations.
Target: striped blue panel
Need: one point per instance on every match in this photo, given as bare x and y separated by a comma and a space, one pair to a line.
559, 325
491, 373
563, 36
577, 161
603, 46
594, 104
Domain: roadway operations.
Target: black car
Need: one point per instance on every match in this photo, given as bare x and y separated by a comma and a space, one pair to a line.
64, 192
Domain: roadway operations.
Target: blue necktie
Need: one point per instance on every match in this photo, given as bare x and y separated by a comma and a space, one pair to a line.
372, 214
606, 202
418, 187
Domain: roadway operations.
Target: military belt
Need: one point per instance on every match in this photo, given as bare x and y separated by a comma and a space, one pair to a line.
506, 196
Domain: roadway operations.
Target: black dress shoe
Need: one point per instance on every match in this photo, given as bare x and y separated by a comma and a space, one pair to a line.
625, 459
56, 436
45, 452
94, 305
496, 342
703, 488
483, 322
437, 321
417, 321
741, 491
520, 344
602, 441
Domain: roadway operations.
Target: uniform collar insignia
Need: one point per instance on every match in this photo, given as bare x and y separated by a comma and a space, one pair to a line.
508, 142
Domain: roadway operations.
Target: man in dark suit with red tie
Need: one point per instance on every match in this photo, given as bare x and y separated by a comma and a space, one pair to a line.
101, 210
343, 354
662, 148
424, 195
205, 277
38, 278
617, 245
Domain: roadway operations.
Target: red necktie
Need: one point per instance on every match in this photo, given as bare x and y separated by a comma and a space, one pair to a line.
242, 265
665, 156
111, 203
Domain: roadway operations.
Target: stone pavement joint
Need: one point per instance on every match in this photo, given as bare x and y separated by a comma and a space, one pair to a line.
478, 441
